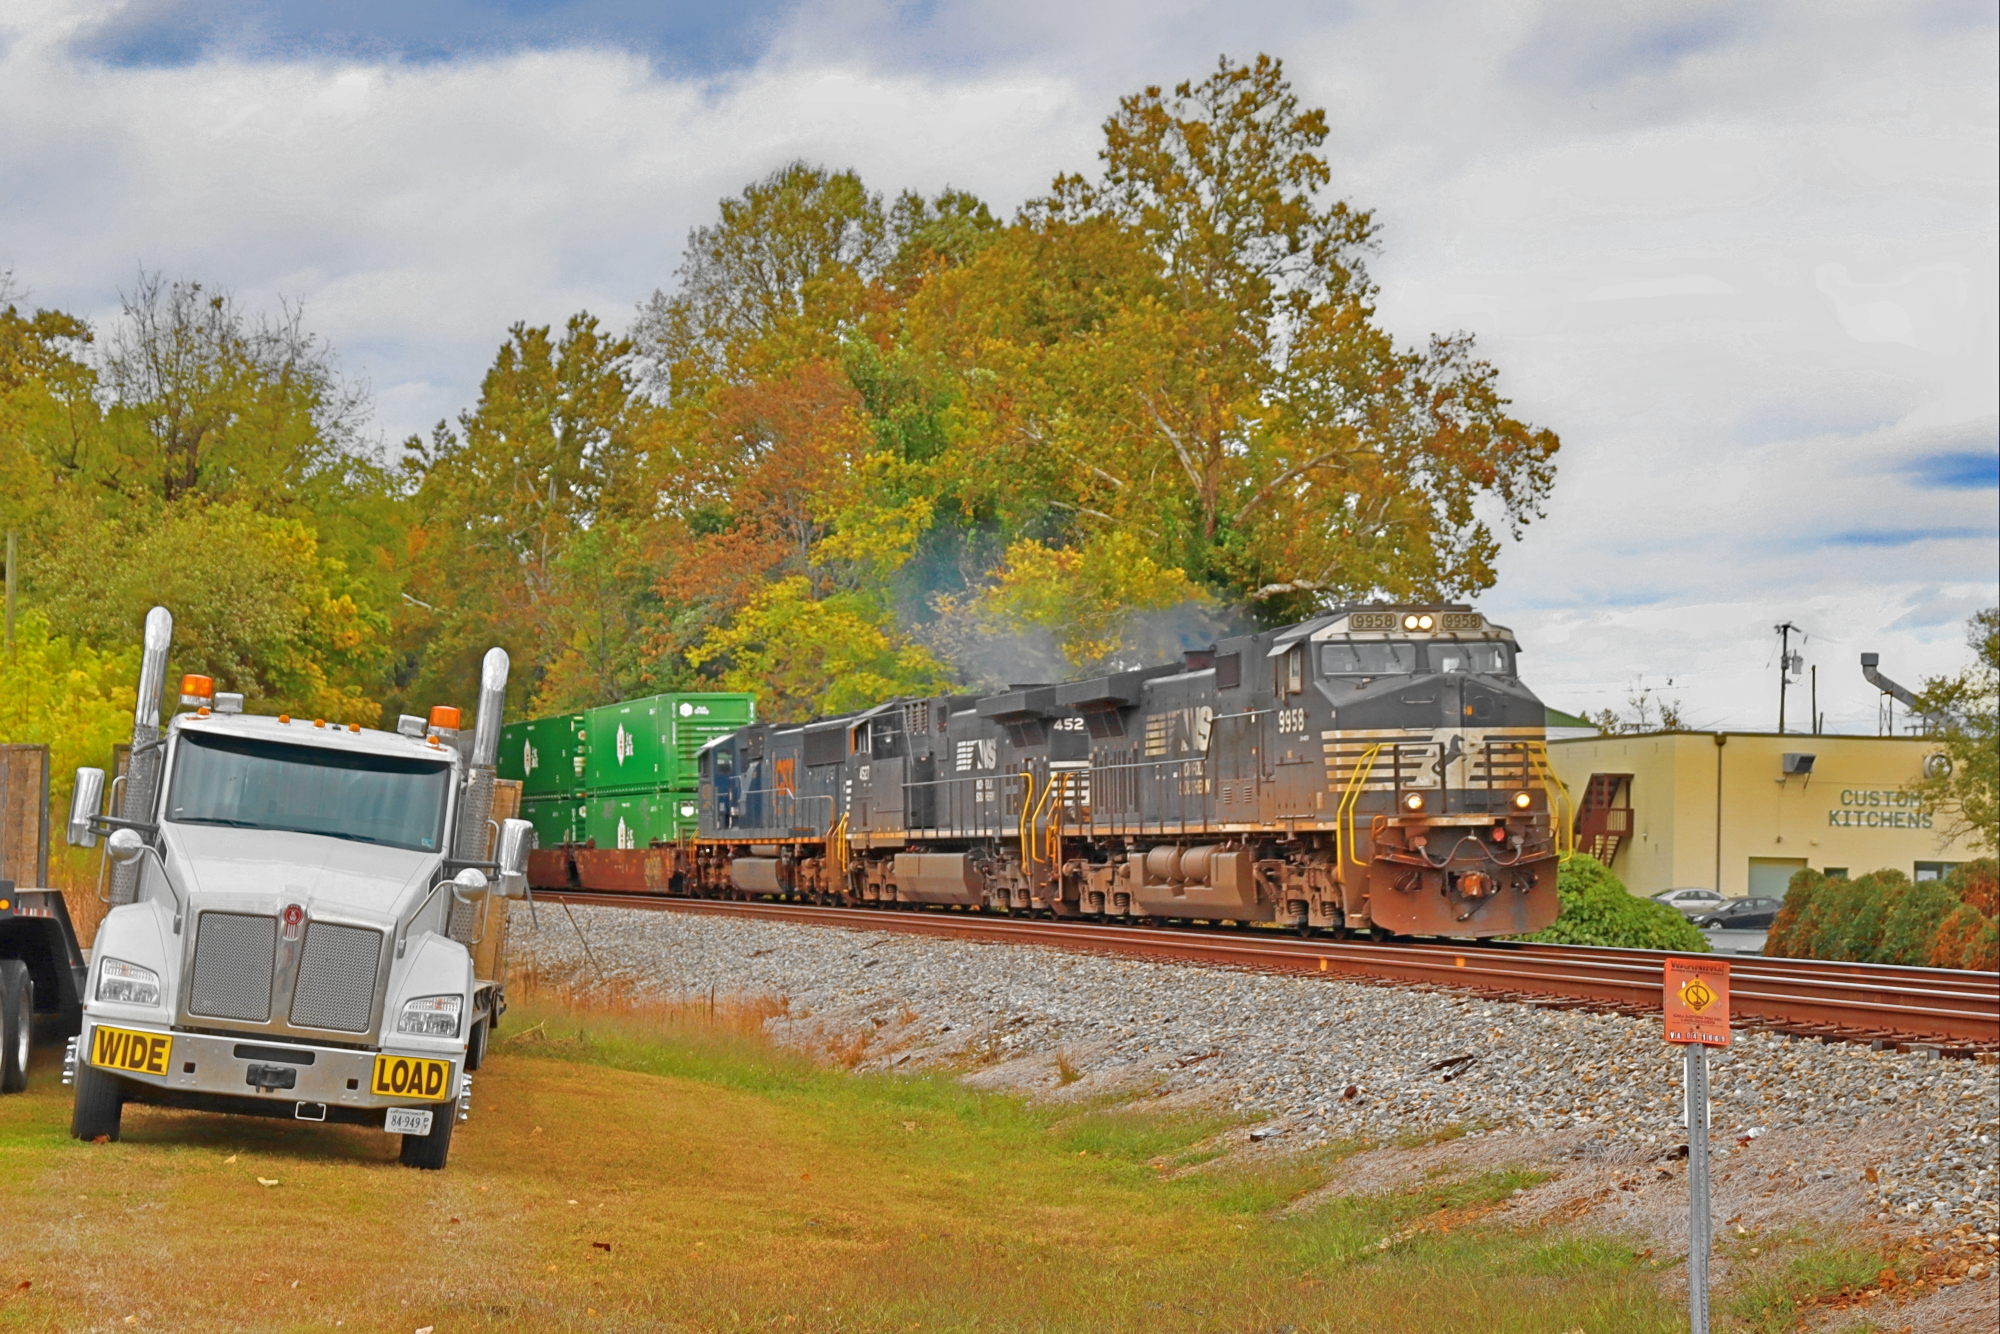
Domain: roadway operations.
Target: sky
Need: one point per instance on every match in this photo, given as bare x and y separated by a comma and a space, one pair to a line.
1742, 258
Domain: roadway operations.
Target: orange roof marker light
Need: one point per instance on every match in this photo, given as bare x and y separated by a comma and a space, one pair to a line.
197, 690
444, 717
285, 718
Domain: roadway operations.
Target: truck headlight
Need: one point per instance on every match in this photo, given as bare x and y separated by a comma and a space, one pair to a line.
127, 983
430, 1016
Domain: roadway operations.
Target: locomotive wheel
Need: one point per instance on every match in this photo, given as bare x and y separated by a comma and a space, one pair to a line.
1305, 928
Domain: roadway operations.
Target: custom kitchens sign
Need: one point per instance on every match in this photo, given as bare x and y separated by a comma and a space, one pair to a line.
1878, 808
1696, 1001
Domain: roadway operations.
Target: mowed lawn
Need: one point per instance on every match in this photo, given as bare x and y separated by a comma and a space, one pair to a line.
672, 1171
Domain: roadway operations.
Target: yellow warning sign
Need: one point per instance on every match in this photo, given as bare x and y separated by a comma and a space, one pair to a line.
1695, 1001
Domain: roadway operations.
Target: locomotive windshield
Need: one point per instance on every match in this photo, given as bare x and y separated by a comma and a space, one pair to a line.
1376, 658
1485, 658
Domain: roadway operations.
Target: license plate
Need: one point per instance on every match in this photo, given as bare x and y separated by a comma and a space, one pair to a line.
411, 1077
407, 1121
122, 1049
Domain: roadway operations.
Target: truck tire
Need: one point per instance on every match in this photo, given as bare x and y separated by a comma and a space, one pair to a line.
100, 1105
430, 1151
475, 1046
17, 1024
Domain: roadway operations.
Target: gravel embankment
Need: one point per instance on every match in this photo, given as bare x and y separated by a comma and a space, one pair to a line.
1895, 1137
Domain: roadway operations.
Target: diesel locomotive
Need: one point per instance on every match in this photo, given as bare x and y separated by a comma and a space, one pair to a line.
1377, 769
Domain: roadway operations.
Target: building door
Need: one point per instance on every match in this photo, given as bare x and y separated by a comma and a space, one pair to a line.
1770, 877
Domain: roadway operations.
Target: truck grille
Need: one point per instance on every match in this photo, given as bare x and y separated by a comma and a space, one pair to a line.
336, 986
233, 954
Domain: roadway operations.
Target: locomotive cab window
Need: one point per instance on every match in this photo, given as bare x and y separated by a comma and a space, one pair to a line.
1343, 657
725, 761
1291, 671
1481, 659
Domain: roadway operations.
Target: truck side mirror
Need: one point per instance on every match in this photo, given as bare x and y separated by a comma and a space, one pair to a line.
469, 885
84, 806
517, 840
125, 845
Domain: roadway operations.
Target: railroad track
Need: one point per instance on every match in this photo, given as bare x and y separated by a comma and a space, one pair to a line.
1956, 1012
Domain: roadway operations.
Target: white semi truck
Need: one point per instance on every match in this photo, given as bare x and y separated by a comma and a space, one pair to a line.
297, 913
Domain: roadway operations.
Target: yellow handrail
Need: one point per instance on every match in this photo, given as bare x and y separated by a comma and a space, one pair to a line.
1047, 803
1343, 816
1553, 787
1027, 820
836, 849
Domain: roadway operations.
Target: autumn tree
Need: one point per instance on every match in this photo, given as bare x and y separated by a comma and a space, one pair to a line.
1185, 349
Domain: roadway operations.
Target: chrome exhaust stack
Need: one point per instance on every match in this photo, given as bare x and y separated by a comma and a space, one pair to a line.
475, 808
142, 779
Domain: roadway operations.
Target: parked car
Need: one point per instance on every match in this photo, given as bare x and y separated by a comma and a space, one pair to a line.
1690, 902
1741, 915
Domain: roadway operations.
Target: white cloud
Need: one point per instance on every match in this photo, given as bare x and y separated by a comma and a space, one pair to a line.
1742, 258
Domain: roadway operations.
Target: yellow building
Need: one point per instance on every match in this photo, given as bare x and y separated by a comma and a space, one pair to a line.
1741, 811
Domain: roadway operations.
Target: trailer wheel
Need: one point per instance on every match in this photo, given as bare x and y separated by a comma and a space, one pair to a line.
100, 1105
17, 1024
430, 1151
475, 1046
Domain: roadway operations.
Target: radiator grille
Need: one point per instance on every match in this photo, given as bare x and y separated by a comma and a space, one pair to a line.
232, 966
336, 986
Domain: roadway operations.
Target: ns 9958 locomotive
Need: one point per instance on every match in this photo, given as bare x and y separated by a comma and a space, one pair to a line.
1378, 768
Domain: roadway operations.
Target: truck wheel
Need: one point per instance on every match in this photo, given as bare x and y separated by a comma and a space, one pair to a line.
17, 1024
475, 1046
100, 1105
430, 1151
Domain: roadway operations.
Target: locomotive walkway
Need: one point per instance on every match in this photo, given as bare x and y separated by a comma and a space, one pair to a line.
1956, 1012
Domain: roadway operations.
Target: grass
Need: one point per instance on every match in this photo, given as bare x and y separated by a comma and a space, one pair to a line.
670, 1169
1795, 1272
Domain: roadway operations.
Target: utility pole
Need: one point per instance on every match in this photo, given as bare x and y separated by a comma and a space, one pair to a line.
10, 592
1787, 664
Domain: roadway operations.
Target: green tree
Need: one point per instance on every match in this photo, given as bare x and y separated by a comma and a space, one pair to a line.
778, 277
1966, 789
256, 604
805, 656
530, 526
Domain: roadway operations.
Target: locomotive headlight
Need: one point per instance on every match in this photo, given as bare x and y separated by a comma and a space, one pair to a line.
1425, 622
1415, 801
1409, 622
1522, 801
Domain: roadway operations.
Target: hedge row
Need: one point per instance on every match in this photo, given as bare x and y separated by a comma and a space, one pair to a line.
1597, 909
1884, 917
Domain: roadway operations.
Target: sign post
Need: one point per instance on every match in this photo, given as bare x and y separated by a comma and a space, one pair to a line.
1695, 1003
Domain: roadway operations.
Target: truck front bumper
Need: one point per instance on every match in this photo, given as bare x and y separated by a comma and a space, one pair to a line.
264, 1078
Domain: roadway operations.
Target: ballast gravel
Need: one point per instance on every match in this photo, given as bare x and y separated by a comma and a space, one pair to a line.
1908, 1138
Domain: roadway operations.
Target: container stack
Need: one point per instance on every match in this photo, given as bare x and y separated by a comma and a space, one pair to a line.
621, 776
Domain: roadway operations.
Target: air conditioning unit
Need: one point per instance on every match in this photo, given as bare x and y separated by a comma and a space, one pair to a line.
1797, 763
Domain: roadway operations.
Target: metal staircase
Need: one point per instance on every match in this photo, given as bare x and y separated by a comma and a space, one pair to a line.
1604, 816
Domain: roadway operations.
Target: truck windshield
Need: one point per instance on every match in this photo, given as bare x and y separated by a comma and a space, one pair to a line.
1341, 657
248, 784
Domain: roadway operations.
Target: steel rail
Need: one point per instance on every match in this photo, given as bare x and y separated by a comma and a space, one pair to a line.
1842, 1000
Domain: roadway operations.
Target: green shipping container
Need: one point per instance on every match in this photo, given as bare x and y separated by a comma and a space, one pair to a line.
649, 745
638, 819
544, 755
556, 820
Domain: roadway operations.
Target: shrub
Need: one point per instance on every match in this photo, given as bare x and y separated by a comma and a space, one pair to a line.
1597, 909
1883, 917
